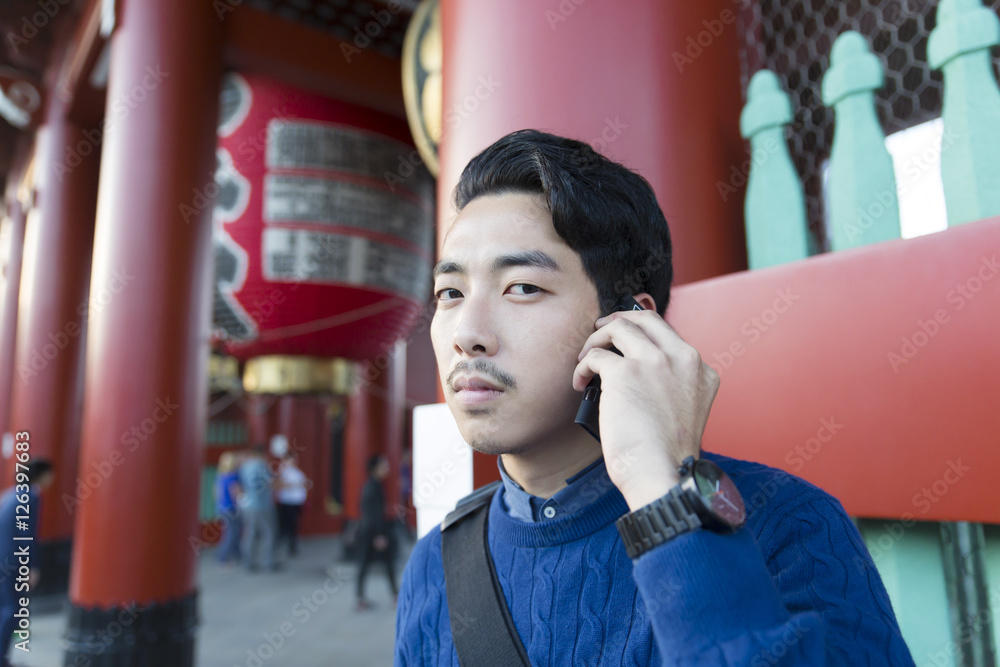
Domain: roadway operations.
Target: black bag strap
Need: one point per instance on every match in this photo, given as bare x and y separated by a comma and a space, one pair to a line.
481, 625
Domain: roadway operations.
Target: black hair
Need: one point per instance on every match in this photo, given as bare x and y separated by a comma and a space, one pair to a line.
373, 462
605, 212
37, 468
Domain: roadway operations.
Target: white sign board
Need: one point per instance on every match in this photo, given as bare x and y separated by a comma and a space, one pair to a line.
442, 465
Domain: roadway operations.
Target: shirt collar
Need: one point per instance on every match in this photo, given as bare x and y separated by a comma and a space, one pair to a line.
582, 488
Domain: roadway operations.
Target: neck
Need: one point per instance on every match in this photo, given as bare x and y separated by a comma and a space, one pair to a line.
542, 470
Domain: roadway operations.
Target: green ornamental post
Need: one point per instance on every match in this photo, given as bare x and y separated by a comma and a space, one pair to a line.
970, 155
861, 198
970, 172
775, 209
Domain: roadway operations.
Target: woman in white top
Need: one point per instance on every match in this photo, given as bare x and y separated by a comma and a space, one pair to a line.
292, 488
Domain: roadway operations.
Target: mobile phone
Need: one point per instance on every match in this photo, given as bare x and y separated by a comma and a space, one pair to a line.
588, 416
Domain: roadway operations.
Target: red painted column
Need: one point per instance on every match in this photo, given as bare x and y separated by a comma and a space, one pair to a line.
147, 350
257, 408
654, 85
12, 245
11, 254
375, 416
47, 395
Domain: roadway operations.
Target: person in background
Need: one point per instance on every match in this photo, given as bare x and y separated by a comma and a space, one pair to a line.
405, 508
257, 506
227, 497
293, 487
375, 533
14, 523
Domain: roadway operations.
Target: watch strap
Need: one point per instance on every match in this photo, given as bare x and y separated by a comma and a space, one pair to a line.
655, 523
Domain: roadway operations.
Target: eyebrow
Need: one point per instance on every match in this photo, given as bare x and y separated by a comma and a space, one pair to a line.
531, 258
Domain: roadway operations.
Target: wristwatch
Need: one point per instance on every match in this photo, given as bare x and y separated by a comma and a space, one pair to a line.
705, 497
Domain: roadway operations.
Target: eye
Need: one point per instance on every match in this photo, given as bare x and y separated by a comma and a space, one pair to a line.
440, 292
528, 289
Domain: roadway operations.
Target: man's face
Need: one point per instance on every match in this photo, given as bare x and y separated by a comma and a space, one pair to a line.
514, 309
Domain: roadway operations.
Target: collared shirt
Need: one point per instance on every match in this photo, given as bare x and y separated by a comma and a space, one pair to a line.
581, 489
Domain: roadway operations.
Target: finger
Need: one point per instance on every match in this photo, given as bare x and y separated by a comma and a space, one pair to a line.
678, 351
596, 362
653, 325
625, 335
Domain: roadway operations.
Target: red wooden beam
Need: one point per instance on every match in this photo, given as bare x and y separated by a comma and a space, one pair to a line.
872, 373
302, 56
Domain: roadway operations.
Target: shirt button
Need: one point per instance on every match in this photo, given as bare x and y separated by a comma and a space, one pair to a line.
549, 512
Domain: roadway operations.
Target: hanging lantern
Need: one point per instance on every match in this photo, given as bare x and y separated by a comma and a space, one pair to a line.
323, 225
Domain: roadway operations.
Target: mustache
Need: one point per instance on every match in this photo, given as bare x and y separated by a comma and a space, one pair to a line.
485, 368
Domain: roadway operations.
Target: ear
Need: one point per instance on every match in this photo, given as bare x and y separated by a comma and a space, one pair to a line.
645, 301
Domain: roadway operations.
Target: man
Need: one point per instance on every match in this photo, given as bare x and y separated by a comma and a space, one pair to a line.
260, 519
18, 523
375, 534
549, 236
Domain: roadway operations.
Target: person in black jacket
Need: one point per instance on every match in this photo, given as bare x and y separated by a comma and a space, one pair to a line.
375, 533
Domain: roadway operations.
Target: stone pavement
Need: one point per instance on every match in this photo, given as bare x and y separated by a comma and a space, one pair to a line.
300, 616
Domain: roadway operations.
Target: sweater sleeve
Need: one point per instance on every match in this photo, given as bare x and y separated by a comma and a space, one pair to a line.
808, 595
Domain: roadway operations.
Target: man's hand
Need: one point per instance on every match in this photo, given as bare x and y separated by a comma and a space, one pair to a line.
381, 543
655, 401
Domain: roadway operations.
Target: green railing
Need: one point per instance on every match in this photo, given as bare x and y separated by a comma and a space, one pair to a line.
937, 574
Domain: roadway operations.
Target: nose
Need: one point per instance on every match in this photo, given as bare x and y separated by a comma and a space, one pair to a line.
474, 332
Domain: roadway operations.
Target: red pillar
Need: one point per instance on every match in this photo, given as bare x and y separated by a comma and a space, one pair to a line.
257, 408
47, 395
375, 416
11, 254
620, 77
12, 245
147, 350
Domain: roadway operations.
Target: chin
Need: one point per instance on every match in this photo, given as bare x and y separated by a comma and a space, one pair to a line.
489, 438
495, 447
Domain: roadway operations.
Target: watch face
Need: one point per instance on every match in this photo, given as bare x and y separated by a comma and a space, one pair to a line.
719, 493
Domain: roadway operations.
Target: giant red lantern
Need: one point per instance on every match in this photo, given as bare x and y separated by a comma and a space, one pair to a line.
323, 225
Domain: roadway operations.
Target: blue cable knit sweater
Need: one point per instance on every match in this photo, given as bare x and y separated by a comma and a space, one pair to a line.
795, 586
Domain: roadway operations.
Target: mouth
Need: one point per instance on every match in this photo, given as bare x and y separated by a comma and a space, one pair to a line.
475, 391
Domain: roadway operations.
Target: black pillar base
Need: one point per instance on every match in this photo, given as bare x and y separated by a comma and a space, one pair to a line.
157, 635
54, 559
